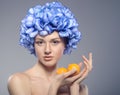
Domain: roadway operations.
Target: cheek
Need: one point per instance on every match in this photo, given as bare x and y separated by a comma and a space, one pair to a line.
38, 52
59, 52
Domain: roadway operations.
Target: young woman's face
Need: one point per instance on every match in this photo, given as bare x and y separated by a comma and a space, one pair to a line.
49, 49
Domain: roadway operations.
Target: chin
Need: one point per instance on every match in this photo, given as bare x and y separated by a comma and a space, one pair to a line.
50, 64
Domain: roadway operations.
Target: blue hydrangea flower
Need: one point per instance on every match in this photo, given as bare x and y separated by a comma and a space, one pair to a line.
44, 20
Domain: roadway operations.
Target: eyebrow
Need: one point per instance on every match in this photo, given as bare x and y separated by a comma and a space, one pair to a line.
51, 39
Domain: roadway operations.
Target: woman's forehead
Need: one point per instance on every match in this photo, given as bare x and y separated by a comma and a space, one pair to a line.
53, 35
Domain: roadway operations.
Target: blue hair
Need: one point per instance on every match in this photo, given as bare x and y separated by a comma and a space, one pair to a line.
44, 20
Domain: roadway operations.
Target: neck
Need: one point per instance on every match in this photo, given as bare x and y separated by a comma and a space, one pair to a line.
46, 72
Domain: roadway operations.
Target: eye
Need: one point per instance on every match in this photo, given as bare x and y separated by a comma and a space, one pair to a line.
55, 42
39, 43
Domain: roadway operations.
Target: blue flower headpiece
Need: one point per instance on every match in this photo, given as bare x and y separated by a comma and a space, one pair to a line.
44, 20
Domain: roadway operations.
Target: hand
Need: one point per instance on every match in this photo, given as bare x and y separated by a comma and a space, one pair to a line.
73, 82
64, 79
84, 73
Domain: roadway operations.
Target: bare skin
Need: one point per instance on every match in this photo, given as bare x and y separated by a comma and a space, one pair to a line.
42, 79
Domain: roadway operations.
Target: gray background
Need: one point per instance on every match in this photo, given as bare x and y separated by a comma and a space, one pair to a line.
99, 22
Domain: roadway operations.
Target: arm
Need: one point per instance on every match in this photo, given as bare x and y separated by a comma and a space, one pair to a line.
18, 84
76, 87
79, 89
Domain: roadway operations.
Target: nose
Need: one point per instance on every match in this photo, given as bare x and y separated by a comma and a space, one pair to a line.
47, 49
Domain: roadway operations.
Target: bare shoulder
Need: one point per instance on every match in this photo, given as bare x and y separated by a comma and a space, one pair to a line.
18, 78
83, 89
18, 84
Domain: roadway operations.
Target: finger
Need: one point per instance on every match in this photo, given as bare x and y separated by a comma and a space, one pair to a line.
84, 68
90, 60
85, 59
80, 64
82, 77
77, 77
87, 70
86, 63
80, 74
83, 74
69, 73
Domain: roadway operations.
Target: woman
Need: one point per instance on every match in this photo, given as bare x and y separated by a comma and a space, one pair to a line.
48, 32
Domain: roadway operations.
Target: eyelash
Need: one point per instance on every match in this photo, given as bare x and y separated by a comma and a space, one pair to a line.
54, 42
39, 42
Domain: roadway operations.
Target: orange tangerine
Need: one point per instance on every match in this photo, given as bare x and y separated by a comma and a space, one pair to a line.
61, 70
76, 66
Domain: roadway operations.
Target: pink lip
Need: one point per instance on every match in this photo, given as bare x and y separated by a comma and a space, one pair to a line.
48, 58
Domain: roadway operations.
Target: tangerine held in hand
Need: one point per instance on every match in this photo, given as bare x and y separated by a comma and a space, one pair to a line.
72, 66
61, 70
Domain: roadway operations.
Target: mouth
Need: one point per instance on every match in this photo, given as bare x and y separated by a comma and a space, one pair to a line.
48, 58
